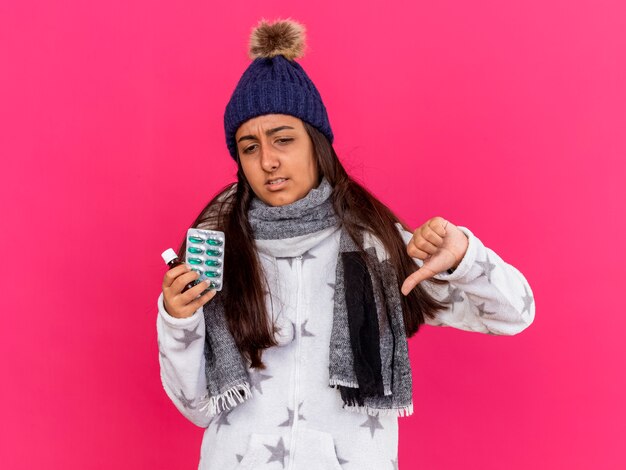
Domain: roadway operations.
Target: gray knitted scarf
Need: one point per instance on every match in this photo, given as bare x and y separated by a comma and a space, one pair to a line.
369, 361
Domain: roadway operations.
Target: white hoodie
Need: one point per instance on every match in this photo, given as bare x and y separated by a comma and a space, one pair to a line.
294, 419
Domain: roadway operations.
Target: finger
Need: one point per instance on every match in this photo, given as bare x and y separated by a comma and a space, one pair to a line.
432, 236
424, 245
182, 280
415, 252
203, 299
171, 275
415, 278
438, 225
191, 294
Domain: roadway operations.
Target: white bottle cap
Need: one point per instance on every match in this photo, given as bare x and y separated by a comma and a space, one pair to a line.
168, 255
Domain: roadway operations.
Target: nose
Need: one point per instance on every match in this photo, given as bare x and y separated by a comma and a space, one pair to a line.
269, 160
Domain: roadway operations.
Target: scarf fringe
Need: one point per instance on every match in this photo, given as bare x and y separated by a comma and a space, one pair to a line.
225, 401
335, 382
346, 383
398, 412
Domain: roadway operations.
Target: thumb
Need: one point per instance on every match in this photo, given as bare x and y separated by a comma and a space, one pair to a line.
414, 279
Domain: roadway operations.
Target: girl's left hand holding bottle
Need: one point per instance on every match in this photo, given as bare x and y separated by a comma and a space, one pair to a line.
184, 304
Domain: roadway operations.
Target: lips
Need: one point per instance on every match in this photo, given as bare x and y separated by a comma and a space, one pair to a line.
275, 184
275, 181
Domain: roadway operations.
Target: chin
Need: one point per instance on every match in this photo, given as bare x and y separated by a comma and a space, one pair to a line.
280, 199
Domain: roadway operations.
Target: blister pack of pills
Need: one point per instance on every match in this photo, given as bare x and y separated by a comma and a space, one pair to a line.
205, 255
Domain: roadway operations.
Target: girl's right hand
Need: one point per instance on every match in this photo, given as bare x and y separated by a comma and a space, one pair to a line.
184, 304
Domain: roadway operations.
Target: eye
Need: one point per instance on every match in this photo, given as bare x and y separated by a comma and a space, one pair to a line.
284, 140
249, 149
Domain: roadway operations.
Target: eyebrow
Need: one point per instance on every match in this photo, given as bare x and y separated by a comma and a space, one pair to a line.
268, 133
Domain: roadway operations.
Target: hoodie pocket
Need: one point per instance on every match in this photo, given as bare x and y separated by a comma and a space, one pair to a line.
263, 451
314, 450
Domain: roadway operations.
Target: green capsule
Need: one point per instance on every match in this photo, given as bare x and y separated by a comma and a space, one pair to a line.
194, 261
194, 249
195, 240
213, 262
216, 252
214, 242
212, 273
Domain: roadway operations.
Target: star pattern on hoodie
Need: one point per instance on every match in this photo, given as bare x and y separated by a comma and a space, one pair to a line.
481, 310
256, 379
308, 255
339, 459
303, 331
528, 300
487, 266
222, 420
394, 463
290, 413
189, 336
186, 402
289, 259
279, 453
373, 423
454, 295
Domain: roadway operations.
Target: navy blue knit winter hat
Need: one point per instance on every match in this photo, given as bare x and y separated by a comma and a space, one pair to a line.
274, 83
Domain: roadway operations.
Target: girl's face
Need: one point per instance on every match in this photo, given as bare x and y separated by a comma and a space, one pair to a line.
277, 158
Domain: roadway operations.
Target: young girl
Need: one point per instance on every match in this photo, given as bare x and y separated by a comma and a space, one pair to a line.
301, 361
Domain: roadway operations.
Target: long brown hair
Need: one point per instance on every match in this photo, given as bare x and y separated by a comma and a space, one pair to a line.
245, 286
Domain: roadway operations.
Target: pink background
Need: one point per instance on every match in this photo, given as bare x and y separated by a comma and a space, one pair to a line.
505, 117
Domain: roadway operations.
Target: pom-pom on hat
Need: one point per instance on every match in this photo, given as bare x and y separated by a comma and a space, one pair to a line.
274, 83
